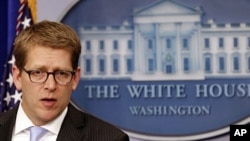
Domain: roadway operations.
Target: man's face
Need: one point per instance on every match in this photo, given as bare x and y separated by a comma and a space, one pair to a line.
44, 102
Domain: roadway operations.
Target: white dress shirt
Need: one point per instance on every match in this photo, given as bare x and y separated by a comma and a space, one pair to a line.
21, 129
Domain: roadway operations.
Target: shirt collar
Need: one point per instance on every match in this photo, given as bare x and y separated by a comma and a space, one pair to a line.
55, 125
23, 122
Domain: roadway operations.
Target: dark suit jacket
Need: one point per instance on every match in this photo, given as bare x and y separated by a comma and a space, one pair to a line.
77, 126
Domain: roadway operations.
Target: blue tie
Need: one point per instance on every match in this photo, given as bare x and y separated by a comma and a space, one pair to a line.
36, 133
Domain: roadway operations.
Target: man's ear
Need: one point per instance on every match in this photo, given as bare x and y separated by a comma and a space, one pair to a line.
16, 77
76, 78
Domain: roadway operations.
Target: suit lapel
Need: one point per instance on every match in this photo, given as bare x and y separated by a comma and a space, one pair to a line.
7, 122
72, 126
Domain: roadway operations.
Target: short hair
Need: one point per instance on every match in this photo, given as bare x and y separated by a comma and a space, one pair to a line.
48, 34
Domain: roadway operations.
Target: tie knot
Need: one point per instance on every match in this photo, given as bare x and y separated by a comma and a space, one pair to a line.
36, 132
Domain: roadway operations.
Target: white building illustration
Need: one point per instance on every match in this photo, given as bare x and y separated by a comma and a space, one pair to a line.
166, 41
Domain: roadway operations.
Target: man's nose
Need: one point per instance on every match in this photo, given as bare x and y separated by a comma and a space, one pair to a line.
50, 82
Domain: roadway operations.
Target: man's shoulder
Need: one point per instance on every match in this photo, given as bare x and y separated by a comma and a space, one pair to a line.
97, 126
91, 120
5, 116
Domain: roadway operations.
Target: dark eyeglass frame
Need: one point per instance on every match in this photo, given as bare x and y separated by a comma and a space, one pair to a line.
47, 76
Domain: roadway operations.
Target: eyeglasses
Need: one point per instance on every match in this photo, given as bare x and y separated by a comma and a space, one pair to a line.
60, 76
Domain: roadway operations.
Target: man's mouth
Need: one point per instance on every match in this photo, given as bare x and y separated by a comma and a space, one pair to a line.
48, 102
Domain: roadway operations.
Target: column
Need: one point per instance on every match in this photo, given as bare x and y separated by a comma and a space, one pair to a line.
158, 48
179, 61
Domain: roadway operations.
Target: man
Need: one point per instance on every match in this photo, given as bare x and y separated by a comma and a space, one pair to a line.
46, 71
